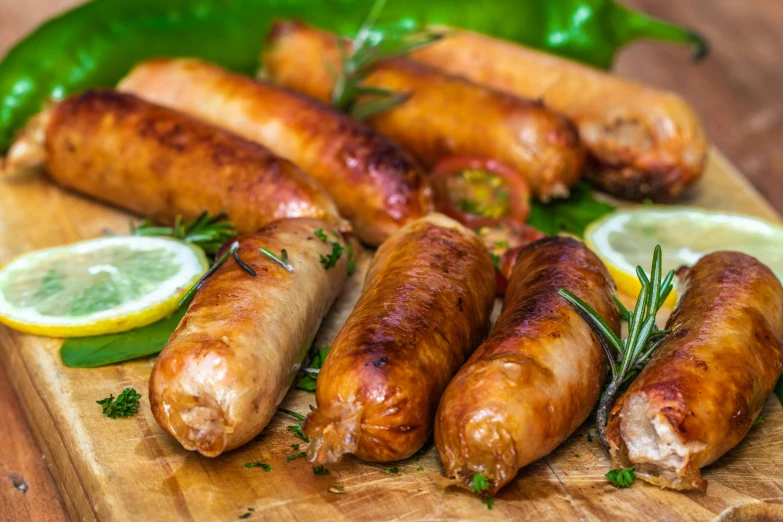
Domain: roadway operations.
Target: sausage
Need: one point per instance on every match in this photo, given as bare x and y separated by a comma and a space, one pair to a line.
425, 306
445, 115
644, 142
160, 163
708, 381
375, 184
236, 351
538, 375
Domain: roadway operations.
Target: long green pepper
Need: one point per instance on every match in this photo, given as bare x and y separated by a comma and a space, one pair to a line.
96, 44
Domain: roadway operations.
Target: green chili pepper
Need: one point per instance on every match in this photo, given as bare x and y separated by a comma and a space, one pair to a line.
97, 43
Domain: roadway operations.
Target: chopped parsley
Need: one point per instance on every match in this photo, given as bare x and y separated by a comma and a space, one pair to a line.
420, 468
317, 358
621, 478
262, 465
295, 447
480, 483
295, 456
320, 470
489, 501
758, 420
125, 405
392, 471
331, 260
320, 234
296, 429
589, 436
495, 260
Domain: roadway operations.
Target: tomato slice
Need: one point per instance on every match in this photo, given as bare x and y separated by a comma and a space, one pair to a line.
504, 241
480, 192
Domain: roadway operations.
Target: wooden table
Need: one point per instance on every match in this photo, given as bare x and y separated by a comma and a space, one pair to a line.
736, 91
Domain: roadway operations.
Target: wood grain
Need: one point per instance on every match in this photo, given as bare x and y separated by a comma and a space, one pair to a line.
737, 94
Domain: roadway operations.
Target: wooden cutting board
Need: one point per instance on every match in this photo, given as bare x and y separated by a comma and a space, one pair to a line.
130, 469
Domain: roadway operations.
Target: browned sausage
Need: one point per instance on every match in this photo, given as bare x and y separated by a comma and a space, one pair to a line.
236, 352
706, 384
644, 142
160, 163
445, 115
374, 183
425, 306
537, 377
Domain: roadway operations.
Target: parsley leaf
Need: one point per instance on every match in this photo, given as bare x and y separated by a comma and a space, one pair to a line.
296, 456
589, 437
480, 483
621, 478
572, 214
758, 420
320, 234
420, 468
126, 404
317, 358
489, 501
262, 465
391, 471
298, 433
495, 260
331, 260
320, 470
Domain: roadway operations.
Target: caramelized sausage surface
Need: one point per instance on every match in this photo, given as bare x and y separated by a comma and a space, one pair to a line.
236, 352
445, 115
643, 142
707, 383
375, 184
425, 306
160, 163
538, 375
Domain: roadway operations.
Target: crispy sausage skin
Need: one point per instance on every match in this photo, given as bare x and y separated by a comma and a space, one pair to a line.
538, 375
374, 183
234, 355
160, 163
445, 115
425, 306
706, 384
643, 142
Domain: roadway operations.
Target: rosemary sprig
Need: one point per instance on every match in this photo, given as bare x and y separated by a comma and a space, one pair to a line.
231, 252
282, 260
373, 44
628, 356
207, 231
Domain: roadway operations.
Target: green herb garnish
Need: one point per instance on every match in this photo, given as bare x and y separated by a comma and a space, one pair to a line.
351, 261
125, 405
295, 456
296, 429
391, 471
262, 465
644, 337
495, 260
372, 45
572, 214
282, 260
621, 478
208, 232
420, 468
759, 420
320, 234
308, 380
331, 260
480, 483
320, 470
490, 502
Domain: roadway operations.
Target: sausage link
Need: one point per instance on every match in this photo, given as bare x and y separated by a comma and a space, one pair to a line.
539, 374
234, 355
374, 183
708, 381
445, 115
425, 306
160, 163
644, 142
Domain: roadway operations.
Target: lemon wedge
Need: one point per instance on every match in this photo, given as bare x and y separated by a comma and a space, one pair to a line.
626, 238
99, 286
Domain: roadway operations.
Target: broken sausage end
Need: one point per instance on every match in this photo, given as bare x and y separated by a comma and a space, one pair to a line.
198, 423
334, 431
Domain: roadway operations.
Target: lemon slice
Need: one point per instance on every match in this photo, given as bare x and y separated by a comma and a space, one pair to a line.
97, 287
627, 237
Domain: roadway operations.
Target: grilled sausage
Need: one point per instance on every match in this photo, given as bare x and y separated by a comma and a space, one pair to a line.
539, 374
425, 306
644, 143
160, 163
707, 382
234, 355
375, 184
444, 116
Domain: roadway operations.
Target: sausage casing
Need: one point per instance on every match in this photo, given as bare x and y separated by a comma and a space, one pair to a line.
425, 306
708, 381
538, 375
160, 163
444, 116
235, 353
644, 142
374, 183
